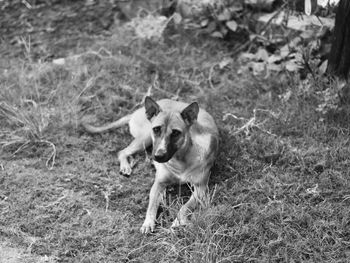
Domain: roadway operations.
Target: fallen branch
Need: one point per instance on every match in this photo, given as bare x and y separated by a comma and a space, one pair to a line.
252, 122
50, 162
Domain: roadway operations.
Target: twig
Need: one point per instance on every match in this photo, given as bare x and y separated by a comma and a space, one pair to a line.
29, 6
106, 195
239, 205
273, 114
210, 76
106, 51
211, 199
52, 156
243, 46
252, 122
58, 200
139, 248
307, 65
272, 18
10, 112
233, 116
88, 85
24, 145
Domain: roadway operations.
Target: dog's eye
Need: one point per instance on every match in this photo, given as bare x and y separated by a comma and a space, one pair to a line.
175, 133
156, 130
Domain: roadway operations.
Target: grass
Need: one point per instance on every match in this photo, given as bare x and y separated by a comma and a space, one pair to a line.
279, 191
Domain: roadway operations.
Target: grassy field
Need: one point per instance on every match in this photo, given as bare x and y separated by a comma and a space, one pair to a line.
279, 191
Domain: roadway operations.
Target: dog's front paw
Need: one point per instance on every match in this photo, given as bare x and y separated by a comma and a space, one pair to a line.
147, 226
176, 223
181, 222
125, 169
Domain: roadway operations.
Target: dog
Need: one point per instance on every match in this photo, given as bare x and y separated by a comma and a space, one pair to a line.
185, 143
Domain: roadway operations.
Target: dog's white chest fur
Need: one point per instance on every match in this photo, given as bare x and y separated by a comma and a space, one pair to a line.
179, 172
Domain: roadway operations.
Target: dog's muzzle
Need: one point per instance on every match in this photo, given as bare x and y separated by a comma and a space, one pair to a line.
161, 158
163, 152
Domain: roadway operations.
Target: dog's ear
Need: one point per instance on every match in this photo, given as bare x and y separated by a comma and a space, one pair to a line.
190, 113
152, 108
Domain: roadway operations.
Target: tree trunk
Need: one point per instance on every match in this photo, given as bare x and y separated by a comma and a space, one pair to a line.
339, 57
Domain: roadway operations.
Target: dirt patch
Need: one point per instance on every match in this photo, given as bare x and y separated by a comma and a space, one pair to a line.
11, 254
51, 29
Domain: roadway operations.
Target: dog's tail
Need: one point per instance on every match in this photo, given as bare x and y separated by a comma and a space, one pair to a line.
114, 125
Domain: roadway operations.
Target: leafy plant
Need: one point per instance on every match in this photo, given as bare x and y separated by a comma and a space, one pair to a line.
216, 18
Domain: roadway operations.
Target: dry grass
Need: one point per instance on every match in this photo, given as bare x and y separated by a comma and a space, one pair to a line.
279, 190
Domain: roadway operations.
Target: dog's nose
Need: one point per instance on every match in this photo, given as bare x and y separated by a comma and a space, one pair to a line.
160, 152
160, 157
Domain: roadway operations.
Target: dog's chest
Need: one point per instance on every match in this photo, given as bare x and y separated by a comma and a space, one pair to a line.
178, 171
188, 169
189, 166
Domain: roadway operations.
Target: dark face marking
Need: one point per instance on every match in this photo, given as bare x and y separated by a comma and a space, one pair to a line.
169, 129
168, 137
175, 134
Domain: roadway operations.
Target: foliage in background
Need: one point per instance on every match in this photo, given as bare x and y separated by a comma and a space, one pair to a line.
282, 41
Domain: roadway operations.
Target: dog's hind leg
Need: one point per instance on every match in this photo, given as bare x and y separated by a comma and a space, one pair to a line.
137, 145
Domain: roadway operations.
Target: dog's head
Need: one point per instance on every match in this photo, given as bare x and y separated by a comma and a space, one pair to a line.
169, 129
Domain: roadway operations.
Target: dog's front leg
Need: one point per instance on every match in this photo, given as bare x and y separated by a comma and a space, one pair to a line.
197, 197
137, 145
154, 199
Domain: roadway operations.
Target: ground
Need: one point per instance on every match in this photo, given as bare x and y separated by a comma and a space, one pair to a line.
279, 191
